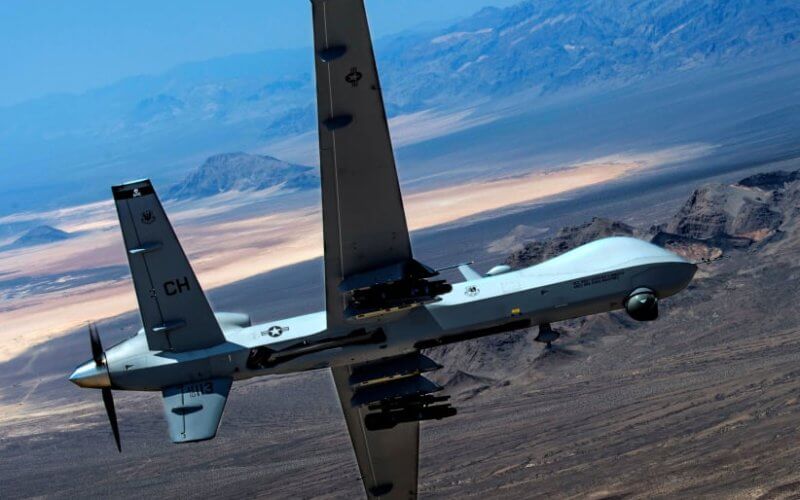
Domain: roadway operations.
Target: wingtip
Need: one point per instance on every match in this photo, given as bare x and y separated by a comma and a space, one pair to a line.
132, 189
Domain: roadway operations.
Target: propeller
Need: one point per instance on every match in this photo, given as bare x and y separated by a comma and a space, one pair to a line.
108, 400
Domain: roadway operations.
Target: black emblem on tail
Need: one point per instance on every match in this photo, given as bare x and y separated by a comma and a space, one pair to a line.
148, 217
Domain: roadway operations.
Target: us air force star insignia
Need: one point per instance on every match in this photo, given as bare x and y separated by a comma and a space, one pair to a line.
275, 331
353, 77
472, 291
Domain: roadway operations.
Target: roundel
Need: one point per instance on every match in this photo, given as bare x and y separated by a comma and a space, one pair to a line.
471, 291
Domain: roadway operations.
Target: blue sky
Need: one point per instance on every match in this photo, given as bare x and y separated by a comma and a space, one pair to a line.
51, 46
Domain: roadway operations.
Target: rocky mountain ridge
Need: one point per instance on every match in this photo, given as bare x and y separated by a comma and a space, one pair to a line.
552, 44
715, 218
243, 172
38, 235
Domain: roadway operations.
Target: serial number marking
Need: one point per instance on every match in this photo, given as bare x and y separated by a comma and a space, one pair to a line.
596, 280
198, 389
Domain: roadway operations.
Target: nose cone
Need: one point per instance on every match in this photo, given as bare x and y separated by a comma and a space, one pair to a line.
91, 376
684, 274
670, 278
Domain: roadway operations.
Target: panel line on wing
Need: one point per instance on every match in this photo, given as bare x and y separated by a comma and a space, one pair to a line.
147, 269
174, 311
363, 432
333, 150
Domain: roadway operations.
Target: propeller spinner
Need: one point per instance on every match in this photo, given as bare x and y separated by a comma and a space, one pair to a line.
94, 375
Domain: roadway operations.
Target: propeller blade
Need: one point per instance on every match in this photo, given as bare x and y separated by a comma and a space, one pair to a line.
97, 347
108, 401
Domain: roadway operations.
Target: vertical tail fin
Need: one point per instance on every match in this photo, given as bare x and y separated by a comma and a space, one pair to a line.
175, 312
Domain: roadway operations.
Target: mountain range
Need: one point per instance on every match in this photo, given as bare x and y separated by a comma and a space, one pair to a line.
38, 235
550, 45
159, 125
243, 172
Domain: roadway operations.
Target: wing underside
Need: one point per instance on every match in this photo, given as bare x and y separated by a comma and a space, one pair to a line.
370, 271
364, 224
383, 403
194, 410
387, 459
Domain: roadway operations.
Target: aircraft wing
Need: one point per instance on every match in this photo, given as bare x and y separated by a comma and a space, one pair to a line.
364, 224
387, 459
175, 313
383, 403
194, 410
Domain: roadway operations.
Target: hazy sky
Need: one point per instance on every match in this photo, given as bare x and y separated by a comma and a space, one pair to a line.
49, 46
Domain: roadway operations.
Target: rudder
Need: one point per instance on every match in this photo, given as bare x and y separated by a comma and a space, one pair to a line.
175, 312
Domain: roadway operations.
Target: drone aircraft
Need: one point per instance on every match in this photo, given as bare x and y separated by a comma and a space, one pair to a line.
383, 307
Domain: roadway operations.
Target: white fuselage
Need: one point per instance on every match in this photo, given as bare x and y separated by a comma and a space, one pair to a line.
591, 279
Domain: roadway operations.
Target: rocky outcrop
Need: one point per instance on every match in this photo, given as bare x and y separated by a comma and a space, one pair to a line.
726, 214
717, 216
689, 248
770, 180
566, 239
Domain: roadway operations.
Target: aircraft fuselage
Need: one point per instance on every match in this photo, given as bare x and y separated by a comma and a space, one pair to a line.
594, 278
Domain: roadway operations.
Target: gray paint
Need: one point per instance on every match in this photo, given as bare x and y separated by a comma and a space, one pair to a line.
193, 411
364, 224
175, 312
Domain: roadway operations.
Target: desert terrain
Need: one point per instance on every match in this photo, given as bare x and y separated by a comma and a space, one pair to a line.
519, 133
701, 403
